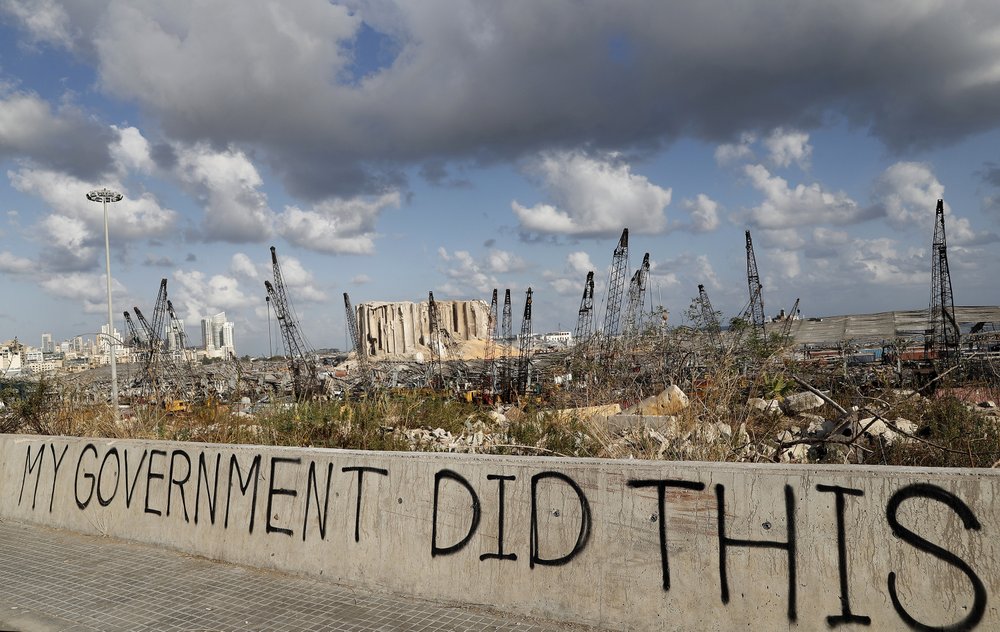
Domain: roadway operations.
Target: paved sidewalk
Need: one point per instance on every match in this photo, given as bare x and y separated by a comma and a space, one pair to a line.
57, 580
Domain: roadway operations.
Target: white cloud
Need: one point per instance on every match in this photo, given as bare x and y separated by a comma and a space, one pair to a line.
202, 296
788, 146
731, 153
829, 236
12, 264
501, 262
464, 272
300, 282
784, 263
580, 262
46, 20
337, 226
228, 186
360, 279
242, 265
592, 197
131, 152
784, 206
87, 288
908, 191
959, 232
704, 213
881, 262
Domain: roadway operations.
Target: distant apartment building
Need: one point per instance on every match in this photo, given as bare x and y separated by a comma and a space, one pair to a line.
43, 367
10, 358
103, 344
47, 344
217, 337
176, 338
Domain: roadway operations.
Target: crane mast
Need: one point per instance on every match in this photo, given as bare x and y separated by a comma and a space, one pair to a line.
177, 327
434, 338
134, 339
755, 310
786, 327
303, 370
359, 348
507, 335
149, 377
616, 287
944, 330
709, 319
160, 313
524, 349
585, 317
636, 297
489, 364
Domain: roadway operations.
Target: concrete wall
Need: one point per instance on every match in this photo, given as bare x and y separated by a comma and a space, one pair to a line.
634, 545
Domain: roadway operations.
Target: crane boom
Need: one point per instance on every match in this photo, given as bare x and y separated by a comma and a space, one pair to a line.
585, 317
524, 349
710, 320
755, 310
636, 296
616, 287
489, 364
304, 379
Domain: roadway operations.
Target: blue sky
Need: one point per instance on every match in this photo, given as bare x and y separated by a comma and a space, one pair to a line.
390, 149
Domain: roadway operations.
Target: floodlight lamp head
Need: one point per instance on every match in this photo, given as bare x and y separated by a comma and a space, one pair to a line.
104, 195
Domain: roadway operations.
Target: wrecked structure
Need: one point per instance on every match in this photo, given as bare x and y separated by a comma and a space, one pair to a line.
403, 329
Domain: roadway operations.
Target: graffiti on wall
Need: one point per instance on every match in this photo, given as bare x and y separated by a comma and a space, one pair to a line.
240, 490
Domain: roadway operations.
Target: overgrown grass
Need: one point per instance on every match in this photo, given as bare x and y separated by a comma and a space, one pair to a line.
950, 435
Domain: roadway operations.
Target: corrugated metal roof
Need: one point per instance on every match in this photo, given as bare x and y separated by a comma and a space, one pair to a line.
880, 326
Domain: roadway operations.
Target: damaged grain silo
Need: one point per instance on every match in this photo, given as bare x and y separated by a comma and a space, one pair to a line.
402, 329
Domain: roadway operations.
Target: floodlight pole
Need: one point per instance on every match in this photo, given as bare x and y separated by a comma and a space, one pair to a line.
104, 196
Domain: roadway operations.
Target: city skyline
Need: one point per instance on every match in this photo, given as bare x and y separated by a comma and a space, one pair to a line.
389, 149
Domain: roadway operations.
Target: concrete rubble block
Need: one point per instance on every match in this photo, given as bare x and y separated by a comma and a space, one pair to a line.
586, 413
667, 424
796, 454
906, 425
669, 402
878, 428
801, 402
766, 406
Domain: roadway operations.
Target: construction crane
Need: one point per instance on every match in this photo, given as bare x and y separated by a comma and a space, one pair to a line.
943, 328
636, 297
134, 339
177, 328
435, 339
149, 376
524, 348
489, 364
160, 312
754, 312
585, 318
360, 349
709, 319
506, 334
786, 326
301, 365
616, 287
